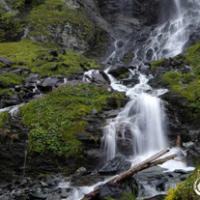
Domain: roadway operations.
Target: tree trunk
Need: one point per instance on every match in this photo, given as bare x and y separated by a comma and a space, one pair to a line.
150, 162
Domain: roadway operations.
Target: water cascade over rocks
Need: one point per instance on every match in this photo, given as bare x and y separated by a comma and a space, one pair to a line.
139, 123
139, 130
142, 121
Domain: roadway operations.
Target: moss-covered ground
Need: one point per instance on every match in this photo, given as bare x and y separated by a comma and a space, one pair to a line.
42, 16
185, 190
54, 13
55, 119
36, 57
186, 84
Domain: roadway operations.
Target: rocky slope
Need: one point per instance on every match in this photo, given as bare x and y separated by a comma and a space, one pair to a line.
46, 46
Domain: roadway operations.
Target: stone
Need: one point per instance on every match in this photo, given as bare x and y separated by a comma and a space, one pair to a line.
53, 53
81, 171
36, 195
118, 70
5, 62
48, 84
118, 190
115, 166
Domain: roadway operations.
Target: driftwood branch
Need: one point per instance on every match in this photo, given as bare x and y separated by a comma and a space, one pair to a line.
150, 162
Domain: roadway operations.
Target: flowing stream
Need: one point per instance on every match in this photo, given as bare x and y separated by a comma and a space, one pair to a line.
142, 122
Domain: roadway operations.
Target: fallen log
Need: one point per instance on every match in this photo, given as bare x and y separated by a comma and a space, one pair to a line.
150, 162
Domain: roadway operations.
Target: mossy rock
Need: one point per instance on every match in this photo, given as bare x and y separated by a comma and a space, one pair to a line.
52, 15
185, 190
186, 84
55, 119
36, 57
10, 79
4, 116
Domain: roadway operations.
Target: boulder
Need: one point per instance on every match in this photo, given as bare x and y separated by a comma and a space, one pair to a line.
115, 166
119, 70
119, 191
48, 84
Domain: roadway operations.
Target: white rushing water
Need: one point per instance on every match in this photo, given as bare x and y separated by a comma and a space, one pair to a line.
141, 123
169, 38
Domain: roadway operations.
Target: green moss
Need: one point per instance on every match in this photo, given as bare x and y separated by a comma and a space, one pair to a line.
36, 57
192, 56
3, 119
54, 13
157, 63
187, 85
9, 79
17, 4
11, 26
55, 119
23, 52
6, 92
68, 64
185, 190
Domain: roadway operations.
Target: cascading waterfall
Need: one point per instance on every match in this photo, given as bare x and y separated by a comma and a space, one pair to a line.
141, 121
141, 124
171, 36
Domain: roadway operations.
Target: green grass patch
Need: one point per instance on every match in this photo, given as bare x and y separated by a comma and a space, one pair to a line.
3, 119
55, 119
187, 84
157, 63
9, 79
192, 56
54, 13
36, 57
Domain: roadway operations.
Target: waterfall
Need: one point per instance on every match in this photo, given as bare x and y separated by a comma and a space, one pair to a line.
170, 37
141, 124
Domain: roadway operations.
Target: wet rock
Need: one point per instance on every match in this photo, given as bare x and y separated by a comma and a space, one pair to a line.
32, 78
130, 81
117, 191
48, 84
81, 171
64, 193
119, 70
38, 194
7, 101
96, 76
156, 181
115, 166
87, 179
5, 62
156, 197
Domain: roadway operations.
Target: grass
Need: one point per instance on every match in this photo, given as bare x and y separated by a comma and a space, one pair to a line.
10, 79
55, 119
36, 57
186, 84
3, 119
56, 13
